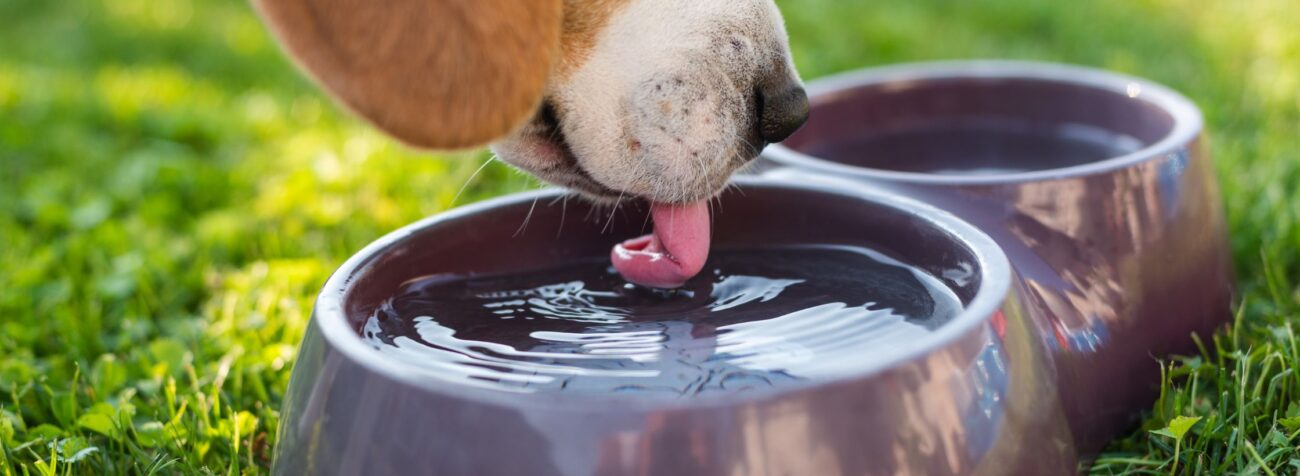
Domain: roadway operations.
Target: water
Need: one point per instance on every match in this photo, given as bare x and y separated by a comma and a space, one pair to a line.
755, 318
978, 147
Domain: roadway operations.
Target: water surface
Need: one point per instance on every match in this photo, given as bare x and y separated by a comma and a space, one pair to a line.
977, 147
755, 318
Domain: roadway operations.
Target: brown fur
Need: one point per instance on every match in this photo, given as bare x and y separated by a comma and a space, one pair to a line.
583, 21
441, 74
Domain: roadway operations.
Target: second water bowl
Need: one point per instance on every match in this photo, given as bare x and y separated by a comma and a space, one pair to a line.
1096, 185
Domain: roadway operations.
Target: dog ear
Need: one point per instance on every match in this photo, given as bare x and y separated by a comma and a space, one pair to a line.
443, 74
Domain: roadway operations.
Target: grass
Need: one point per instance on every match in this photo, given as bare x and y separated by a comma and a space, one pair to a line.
172, 193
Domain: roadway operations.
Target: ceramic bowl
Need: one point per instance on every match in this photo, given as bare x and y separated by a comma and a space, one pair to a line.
976, 396
1121, 253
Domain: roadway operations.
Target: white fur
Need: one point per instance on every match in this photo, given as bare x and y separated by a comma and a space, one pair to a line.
663, 107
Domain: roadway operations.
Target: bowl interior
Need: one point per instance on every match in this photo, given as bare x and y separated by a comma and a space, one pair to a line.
985, 121
537, 231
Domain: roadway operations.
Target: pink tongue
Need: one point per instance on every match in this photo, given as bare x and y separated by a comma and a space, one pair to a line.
673, 253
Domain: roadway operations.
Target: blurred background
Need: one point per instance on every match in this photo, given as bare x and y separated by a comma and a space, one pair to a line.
173, 192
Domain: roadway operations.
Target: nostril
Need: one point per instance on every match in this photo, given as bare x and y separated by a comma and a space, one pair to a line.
781, 114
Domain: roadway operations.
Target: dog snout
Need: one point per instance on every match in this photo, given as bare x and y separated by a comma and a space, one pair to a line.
782, 111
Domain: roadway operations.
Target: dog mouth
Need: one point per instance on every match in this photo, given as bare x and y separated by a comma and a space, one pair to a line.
678, 247
671, 254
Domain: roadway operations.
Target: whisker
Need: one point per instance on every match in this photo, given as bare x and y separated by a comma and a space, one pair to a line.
712, 220
734, 186
592, 210
527, 217
469, 180
564, 208
612, 211
703, 170
648, 213
754, 150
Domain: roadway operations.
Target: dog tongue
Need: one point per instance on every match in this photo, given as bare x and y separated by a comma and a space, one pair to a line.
673, 253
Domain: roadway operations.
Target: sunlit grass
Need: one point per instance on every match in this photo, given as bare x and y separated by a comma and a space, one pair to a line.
172, 194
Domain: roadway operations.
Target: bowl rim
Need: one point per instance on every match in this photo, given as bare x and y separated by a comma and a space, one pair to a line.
330, 318
1187, 119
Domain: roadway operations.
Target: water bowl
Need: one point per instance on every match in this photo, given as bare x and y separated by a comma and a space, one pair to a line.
1096, 185
704, 392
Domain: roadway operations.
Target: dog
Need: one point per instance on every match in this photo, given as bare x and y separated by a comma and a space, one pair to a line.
657, 99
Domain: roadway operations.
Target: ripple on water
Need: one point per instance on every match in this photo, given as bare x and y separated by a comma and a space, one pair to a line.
755, 318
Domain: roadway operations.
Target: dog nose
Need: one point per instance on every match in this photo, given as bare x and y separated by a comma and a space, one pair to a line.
781, 112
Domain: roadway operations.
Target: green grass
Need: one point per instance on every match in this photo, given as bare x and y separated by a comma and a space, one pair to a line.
172, 193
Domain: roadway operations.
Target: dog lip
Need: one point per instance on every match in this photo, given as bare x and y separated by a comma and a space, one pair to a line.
578, 178
591, 186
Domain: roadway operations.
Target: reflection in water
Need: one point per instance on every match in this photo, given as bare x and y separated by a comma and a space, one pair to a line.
985, 145
756, 318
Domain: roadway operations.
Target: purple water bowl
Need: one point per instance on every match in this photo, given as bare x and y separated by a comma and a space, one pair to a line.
1097, 186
